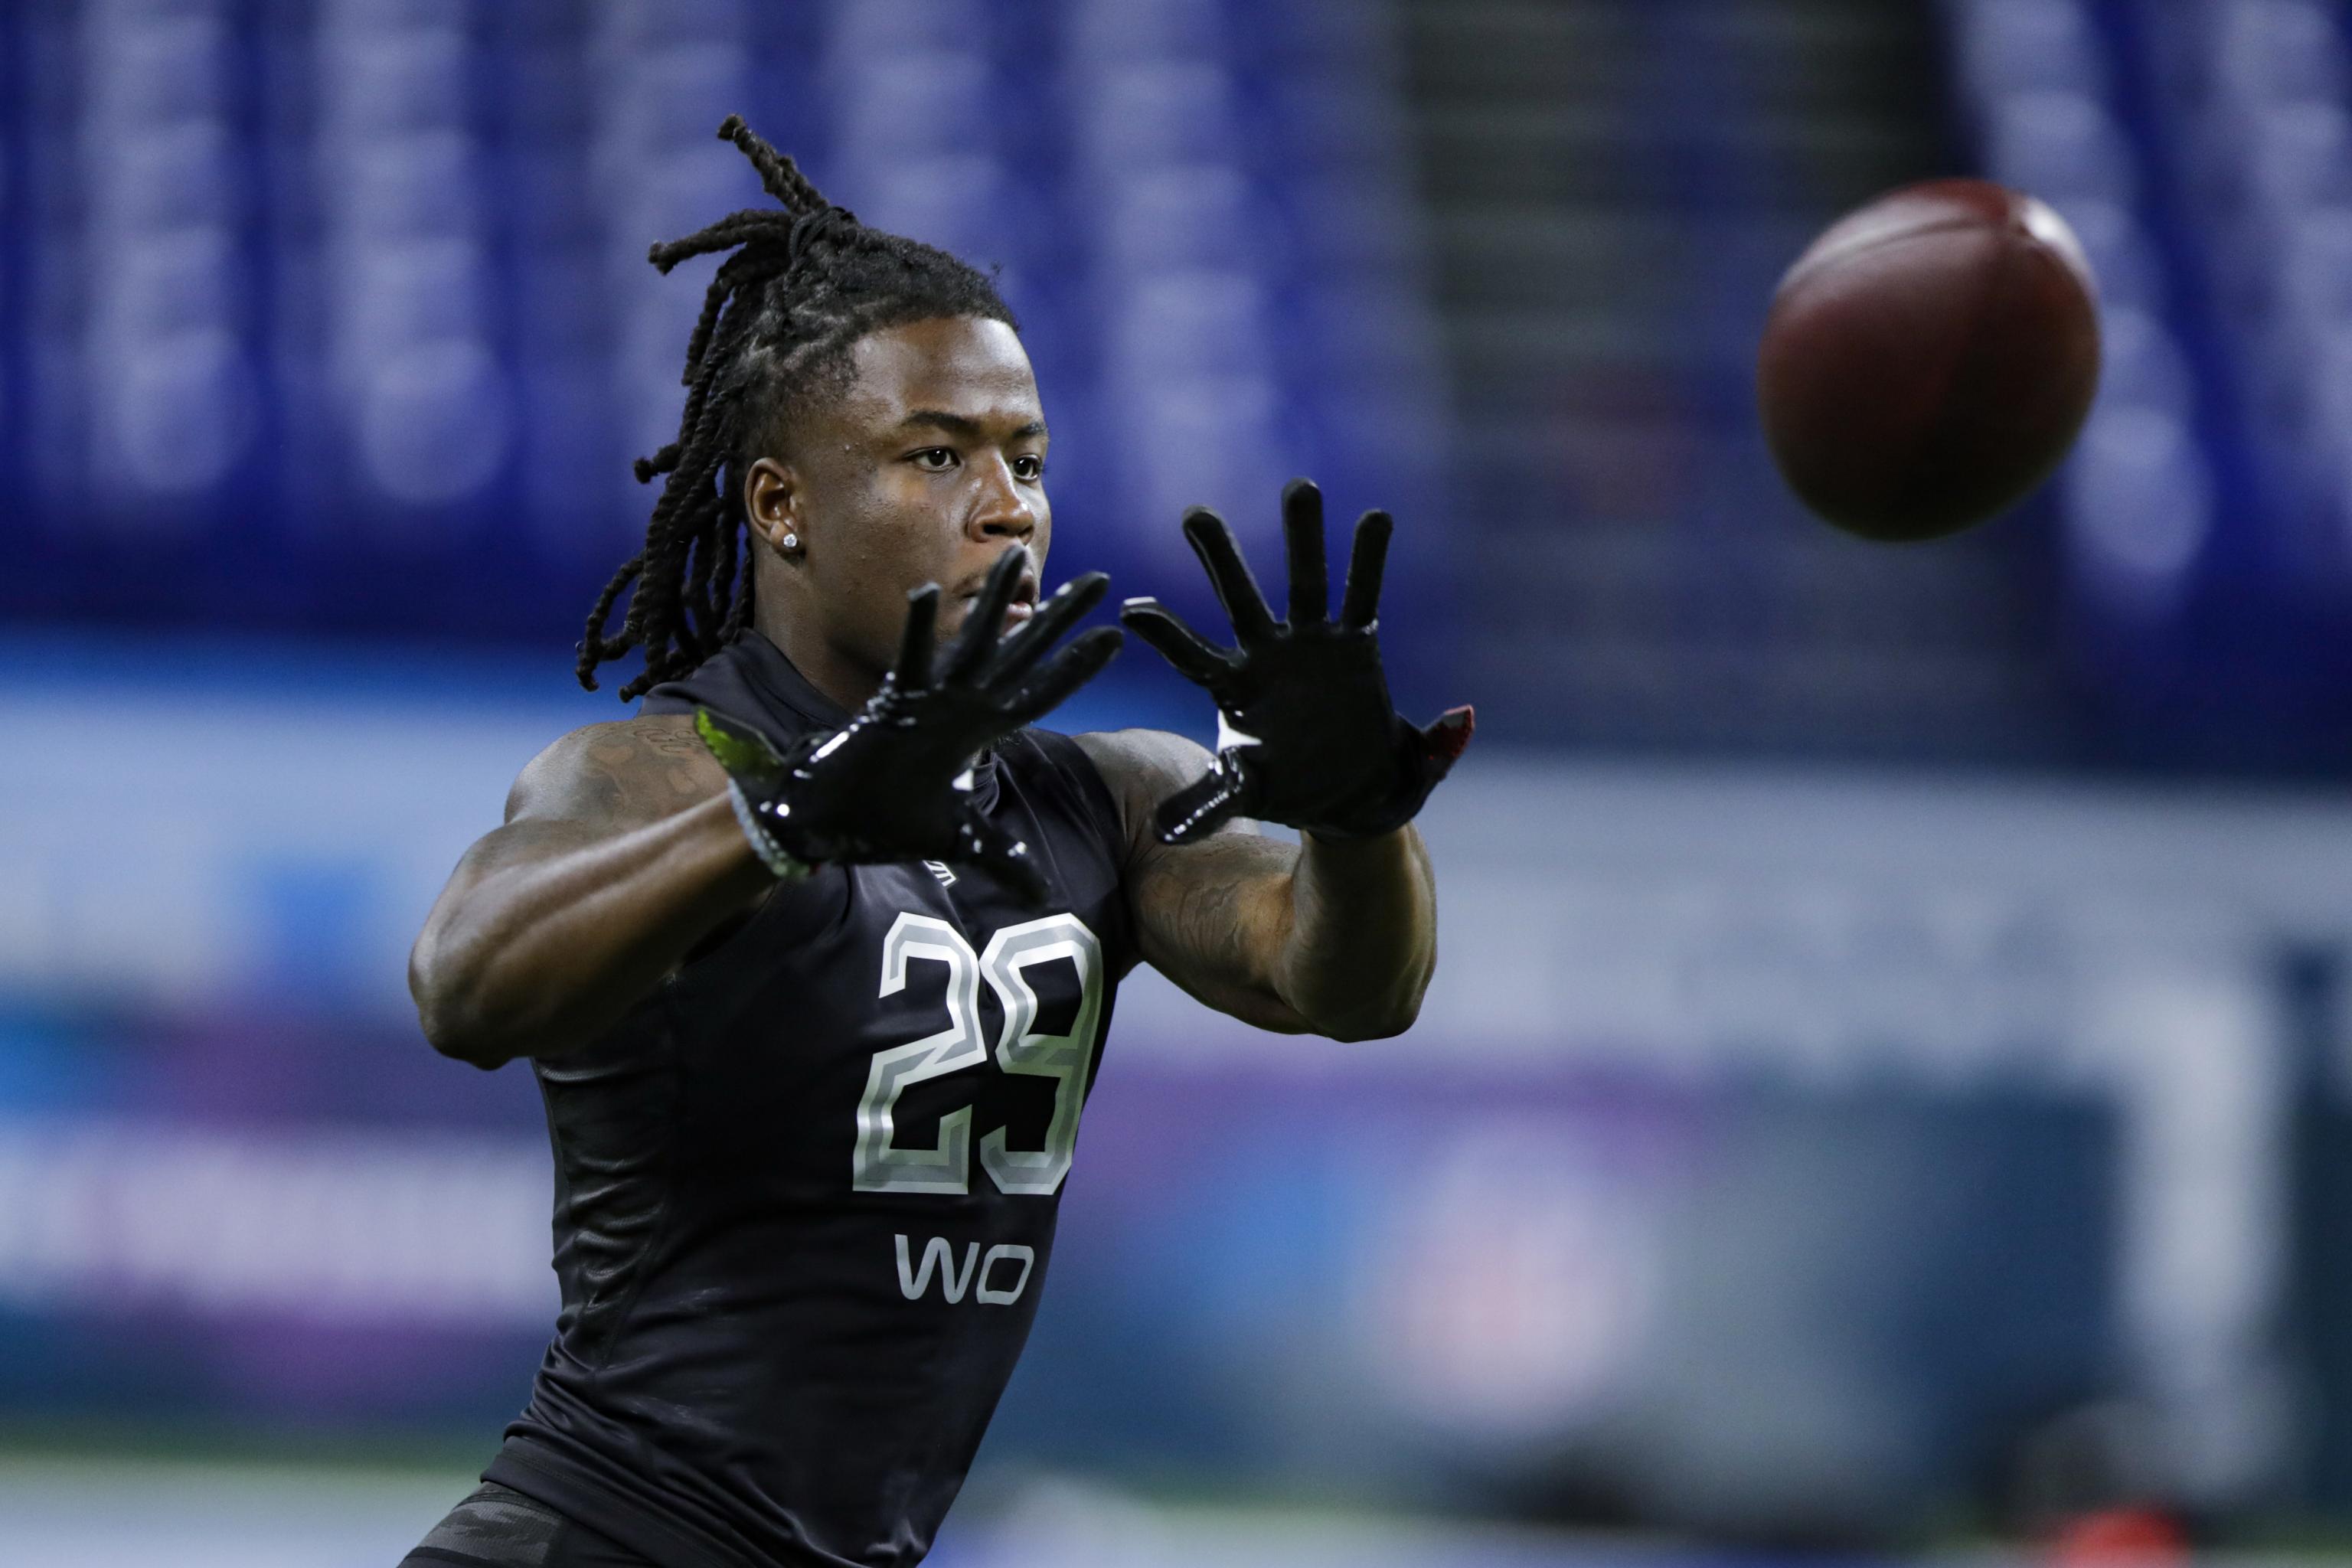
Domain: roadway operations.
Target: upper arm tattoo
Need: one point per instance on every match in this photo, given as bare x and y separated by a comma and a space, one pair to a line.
1205, 905
1210, 915
618, 776
595, 784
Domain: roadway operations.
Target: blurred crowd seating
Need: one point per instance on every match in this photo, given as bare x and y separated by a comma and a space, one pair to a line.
324, 314
333, 315
2203, 152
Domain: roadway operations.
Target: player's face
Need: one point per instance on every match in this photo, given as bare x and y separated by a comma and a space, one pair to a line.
926, 470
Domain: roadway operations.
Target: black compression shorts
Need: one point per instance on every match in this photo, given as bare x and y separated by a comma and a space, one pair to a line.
497, 1526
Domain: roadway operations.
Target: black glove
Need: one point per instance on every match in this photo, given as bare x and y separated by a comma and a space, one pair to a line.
895, 784
1306, 734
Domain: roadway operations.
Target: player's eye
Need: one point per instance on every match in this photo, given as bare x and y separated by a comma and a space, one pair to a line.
1029, 467
934, 460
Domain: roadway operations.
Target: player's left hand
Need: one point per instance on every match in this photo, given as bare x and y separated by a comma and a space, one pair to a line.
1306, 734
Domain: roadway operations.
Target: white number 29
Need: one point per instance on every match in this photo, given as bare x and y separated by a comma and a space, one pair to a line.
881, 1164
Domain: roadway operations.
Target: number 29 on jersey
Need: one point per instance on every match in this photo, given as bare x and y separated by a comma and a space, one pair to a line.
880, 1164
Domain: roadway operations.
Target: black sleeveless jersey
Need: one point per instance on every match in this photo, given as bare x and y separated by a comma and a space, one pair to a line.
806, 1191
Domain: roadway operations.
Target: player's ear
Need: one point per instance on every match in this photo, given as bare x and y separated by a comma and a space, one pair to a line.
773, 504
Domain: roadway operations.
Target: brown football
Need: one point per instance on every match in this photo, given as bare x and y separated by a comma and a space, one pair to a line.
1929, 358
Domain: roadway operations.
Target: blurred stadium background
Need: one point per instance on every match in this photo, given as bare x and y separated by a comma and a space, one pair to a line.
1889, 1090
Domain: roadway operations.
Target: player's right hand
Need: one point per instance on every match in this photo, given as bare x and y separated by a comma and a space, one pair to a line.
895, 784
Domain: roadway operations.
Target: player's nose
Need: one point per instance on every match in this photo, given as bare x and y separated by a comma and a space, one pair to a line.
1002, 509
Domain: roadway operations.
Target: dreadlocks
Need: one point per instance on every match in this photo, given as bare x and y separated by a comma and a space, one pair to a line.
807, 282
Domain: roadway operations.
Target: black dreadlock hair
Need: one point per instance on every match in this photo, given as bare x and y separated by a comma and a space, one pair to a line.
807, 282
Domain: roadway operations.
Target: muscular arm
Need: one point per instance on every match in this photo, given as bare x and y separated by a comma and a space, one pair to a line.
1331, 938
620, 853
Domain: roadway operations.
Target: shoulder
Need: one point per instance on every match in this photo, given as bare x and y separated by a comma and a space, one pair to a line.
1141, 768
1152, 760
641, 768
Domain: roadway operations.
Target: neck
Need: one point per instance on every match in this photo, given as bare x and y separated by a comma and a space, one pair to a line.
848, 681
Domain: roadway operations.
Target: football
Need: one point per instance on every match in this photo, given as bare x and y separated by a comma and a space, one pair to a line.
1929, 358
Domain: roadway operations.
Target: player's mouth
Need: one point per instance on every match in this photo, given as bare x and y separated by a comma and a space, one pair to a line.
1024, 604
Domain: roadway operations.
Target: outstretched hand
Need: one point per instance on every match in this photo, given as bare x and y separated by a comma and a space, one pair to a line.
1307, 733
895, 784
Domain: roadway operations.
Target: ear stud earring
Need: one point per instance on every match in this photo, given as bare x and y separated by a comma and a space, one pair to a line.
792, 541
